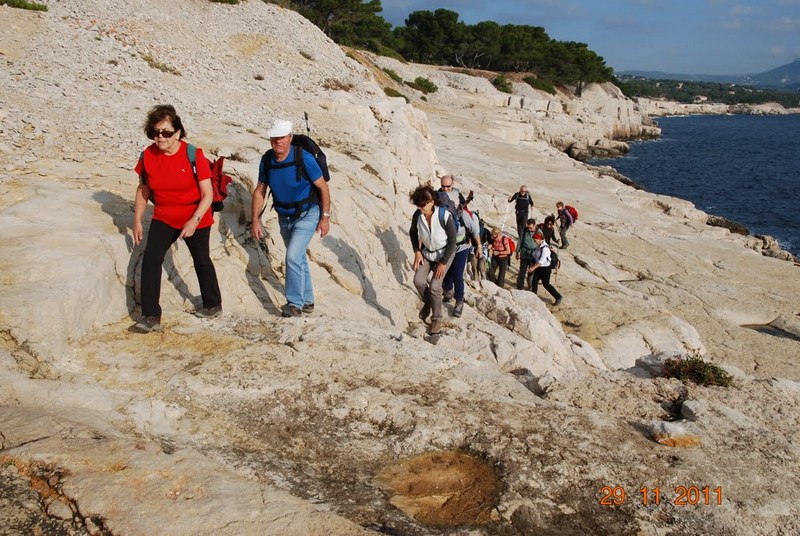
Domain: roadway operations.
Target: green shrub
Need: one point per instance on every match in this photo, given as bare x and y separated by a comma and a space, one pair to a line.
163, 67
540, 84
423, 84
392, 92
225, 1
502, 84
695, 370
393, 75
24, 4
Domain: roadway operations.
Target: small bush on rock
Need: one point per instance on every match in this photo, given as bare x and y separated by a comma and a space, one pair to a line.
502, 84
393, 75
23, 4
540, 84
695, 370
423, 84
392, 92
225, 1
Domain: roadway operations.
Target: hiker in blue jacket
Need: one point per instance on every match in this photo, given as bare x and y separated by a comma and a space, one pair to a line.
527, 253
303, 207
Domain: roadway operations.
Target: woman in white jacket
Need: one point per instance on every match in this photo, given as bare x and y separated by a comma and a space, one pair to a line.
433, 237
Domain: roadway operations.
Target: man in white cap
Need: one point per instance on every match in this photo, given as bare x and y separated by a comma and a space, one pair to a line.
302, 201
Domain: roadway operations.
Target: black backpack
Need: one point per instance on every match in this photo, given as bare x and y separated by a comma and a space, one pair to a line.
555, 264
301, 143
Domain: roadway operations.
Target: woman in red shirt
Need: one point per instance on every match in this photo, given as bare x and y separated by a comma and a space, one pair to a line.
182, 210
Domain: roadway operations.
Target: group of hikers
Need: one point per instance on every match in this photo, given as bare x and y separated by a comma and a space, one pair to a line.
182, 196
445, 234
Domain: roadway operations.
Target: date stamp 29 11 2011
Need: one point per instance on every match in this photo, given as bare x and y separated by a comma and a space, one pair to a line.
681, 496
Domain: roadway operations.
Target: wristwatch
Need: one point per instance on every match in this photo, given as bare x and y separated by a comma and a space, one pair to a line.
326, 214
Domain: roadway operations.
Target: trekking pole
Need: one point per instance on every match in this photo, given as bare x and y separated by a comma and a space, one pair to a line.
503, 227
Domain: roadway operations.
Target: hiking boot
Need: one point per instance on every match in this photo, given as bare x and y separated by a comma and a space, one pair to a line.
308, 308
290, 310
448, 295
436, 326
208, 312
458, 309
425, 312
146, 324
558, 301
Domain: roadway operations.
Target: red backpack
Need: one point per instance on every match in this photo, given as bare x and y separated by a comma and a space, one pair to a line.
573, 212
219, 181
511, 245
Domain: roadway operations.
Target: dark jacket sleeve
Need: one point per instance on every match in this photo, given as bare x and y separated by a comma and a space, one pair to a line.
450, 249
414, 232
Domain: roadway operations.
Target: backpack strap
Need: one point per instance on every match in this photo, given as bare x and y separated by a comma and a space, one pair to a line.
442, 212
143, 174
299, 164
191, 152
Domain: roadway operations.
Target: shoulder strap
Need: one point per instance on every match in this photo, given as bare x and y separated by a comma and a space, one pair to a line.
191, 152
442, 212
300, 164
143, 174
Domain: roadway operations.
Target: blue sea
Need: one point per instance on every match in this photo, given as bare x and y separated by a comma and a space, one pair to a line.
742, 167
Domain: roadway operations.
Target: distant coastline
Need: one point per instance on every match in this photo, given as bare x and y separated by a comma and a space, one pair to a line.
664, 108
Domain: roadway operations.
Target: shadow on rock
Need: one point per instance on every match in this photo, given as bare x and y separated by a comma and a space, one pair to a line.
351, 261
120, 210
259, 268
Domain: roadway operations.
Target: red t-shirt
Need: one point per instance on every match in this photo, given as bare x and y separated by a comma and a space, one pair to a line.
175, 190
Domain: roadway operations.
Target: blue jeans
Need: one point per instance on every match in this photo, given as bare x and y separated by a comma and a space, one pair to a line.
297, 234
454, 279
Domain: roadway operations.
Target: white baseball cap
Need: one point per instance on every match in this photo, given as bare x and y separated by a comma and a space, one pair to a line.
279, 128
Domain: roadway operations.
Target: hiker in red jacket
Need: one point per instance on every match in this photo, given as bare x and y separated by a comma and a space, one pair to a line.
500, 248
182, 210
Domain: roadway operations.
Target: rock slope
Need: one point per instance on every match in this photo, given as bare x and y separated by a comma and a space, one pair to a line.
254, 424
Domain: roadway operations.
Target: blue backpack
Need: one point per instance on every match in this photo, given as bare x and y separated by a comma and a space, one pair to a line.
444, 203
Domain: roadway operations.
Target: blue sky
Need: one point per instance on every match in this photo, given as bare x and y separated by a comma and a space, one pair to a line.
677, 36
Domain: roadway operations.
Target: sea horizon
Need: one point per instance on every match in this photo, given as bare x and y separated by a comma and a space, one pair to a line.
739, 167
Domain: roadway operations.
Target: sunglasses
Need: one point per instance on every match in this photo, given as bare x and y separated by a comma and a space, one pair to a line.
164, 133
447, 187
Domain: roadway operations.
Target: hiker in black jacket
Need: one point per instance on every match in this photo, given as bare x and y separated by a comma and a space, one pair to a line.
524, 202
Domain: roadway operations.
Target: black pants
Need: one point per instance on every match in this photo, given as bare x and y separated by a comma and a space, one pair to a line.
523, 274
543, 275
159, 239
522, 222
502, 264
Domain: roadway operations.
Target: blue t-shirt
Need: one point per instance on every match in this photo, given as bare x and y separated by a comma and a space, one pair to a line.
285, 185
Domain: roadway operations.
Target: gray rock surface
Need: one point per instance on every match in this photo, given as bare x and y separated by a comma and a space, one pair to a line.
254, 424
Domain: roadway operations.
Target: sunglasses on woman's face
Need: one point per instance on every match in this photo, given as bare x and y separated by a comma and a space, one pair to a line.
164, 133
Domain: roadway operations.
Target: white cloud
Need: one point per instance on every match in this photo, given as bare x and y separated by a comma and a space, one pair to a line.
738, 11
731, 24
778, 52
786, 24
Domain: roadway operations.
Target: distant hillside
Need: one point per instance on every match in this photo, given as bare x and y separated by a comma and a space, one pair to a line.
785, 77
